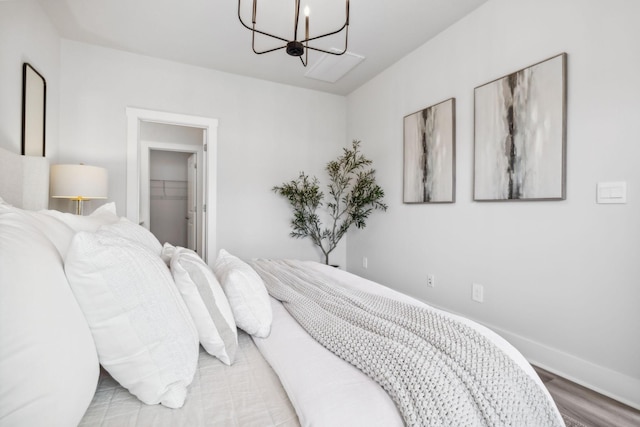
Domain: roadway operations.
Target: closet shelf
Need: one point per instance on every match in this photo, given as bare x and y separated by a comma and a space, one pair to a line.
166, 189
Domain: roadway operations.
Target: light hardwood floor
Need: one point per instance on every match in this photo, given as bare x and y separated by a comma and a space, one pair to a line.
587, 407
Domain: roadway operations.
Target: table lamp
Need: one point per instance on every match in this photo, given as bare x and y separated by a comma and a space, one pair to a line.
78, 183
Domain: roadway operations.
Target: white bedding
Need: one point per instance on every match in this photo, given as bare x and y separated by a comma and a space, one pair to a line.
247, 393
327, 391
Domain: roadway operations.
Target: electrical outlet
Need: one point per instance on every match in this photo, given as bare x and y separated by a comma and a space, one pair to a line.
365, 262
477, 292
431, 281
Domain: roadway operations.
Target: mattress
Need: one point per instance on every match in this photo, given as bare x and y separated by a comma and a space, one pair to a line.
247, 393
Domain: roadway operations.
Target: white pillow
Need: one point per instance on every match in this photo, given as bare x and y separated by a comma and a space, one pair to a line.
105, 214
134, 232
143, 332
55, 230
207, 304
48, 364
167, 252
246, 293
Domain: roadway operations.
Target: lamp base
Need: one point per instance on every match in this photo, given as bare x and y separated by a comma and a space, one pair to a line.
79, 206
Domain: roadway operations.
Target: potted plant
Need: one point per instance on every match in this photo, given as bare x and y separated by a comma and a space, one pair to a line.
353, 195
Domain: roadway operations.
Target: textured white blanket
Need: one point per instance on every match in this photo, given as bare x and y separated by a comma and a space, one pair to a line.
437, 370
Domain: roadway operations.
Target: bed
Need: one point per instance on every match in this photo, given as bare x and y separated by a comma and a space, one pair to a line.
59, 353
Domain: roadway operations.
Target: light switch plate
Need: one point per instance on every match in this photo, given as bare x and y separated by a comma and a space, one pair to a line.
611, 192
477, 292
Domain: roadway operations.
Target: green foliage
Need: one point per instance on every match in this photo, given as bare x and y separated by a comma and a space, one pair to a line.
353, 195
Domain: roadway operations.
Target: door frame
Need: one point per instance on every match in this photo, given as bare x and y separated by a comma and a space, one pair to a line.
195, 182
136, 116
145, 181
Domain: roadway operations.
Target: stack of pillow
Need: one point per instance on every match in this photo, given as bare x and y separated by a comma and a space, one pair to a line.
146, 306
48, 363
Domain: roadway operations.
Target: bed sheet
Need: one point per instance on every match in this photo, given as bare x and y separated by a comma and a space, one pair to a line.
247, 393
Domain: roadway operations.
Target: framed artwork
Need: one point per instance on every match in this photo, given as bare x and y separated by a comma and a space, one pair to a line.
34, 100
430, 154
520, 134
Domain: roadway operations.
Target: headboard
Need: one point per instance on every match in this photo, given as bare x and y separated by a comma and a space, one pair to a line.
24, 180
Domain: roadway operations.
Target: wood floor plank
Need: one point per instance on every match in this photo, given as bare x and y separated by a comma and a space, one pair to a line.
587, 406
544, 375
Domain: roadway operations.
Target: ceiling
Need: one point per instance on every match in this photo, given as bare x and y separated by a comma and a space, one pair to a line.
207, 33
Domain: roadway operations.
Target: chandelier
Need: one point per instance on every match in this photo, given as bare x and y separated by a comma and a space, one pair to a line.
295, 47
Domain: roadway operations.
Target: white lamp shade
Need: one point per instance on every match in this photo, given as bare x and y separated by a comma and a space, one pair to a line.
79, 182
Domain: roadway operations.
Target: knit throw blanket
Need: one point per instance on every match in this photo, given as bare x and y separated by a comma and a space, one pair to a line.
438, 371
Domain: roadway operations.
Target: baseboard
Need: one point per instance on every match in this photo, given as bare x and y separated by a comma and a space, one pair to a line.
615, 385
618, 386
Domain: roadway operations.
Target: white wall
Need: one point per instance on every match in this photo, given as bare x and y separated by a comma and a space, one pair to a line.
27, 35
561, 279
267, 133
168, 165
172, 134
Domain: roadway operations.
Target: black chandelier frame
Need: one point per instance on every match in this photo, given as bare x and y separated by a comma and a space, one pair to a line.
295, 47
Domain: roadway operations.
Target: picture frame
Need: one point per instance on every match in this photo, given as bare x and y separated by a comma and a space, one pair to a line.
34, 104
430, 154
520, 134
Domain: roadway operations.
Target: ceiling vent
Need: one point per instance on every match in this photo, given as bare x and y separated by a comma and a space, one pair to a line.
331, 68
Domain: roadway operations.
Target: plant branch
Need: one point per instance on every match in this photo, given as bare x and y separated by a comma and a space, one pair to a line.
354, 195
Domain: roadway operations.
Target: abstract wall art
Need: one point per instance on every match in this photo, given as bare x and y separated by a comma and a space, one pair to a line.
520, 134
429, 154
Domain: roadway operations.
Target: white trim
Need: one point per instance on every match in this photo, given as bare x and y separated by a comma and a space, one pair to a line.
210, 137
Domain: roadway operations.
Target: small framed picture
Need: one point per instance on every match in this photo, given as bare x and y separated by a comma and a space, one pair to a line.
34, 101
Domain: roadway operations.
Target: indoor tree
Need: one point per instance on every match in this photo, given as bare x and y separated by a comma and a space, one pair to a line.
353, 195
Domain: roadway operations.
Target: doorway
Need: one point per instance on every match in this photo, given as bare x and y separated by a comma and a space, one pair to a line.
173, 198
165, 181
159, 147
